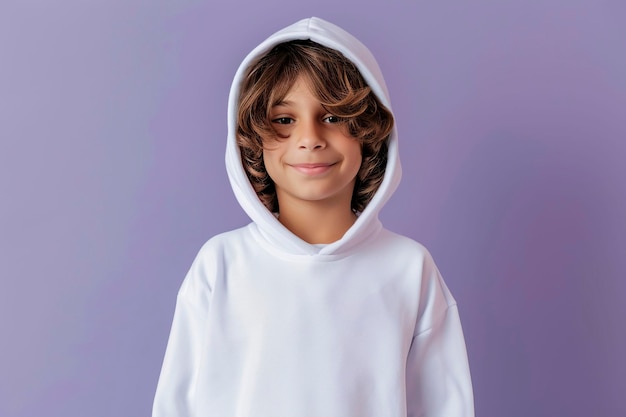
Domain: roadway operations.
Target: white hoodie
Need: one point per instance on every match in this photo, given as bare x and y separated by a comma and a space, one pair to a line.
267, 325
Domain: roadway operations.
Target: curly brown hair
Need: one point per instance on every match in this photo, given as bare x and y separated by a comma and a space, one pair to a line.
342, 91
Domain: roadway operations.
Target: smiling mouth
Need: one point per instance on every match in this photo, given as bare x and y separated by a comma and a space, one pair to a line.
313, 169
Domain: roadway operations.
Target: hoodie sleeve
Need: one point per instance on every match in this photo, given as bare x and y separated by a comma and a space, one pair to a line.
176, 389
438, 375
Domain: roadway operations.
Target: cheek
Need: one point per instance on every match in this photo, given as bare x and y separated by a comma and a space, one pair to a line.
356, 154
357, 161
273, 153
270, 161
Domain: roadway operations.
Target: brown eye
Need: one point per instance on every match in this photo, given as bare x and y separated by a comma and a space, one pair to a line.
332, 119
283, 120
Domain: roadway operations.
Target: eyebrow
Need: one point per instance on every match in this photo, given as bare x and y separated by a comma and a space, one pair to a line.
286, 103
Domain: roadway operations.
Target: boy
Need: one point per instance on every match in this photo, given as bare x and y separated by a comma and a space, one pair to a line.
313, 309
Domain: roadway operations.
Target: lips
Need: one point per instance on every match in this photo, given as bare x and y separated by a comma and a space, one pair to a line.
313, 168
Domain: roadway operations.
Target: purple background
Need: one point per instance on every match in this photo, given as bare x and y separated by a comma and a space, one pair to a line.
512, 120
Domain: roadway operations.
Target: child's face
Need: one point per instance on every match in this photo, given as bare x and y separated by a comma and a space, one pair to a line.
314, 158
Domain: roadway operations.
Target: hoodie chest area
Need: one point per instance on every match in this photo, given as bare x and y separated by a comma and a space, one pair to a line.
356, 298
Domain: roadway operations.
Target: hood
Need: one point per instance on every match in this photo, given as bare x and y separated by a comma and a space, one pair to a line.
268, 226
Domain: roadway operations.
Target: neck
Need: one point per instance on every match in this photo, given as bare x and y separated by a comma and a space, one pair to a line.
316, 222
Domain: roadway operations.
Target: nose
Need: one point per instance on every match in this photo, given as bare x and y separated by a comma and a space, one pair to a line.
311, 136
